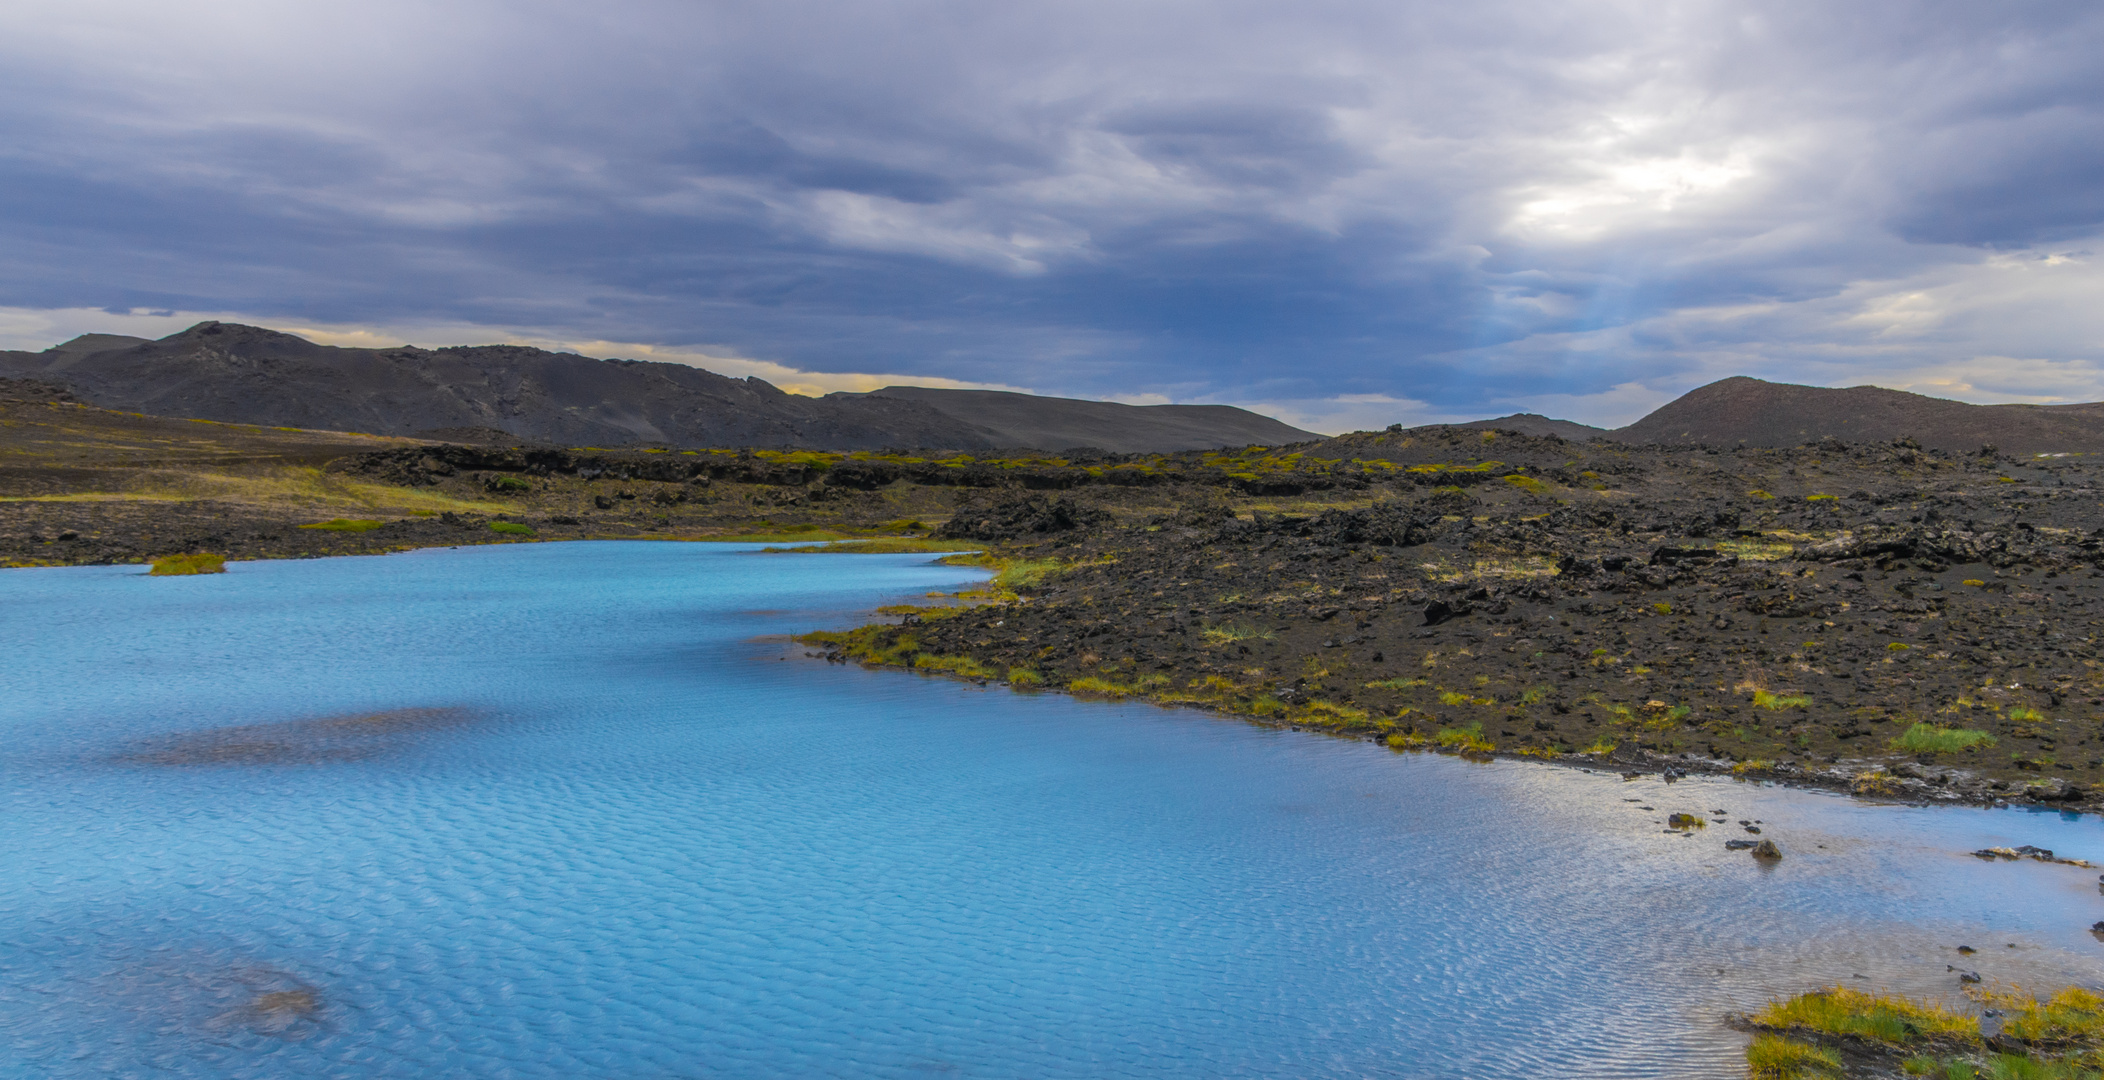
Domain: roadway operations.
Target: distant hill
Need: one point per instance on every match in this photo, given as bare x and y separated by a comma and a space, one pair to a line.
1757, 413
246, 374
1049, 423
1537, 424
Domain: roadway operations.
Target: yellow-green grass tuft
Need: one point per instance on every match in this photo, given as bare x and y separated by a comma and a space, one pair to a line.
1763, 699
1774, 1058
185, 565
350, 525
1841, 1010
1468, 740
510, 528
1091, 685
1022, 676
1229, 633
1931, 739
955, 665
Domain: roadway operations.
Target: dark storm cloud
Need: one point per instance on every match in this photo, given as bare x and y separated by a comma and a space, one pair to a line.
1422, 208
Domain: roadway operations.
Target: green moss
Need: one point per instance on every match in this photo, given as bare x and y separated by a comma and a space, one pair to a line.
508, 484
510, 528
1774, 1058
1931, 739
350, 525
185, 565
1762, 699
1022, 676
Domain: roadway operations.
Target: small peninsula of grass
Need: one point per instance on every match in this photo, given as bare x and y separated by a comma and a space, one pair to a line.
185, 565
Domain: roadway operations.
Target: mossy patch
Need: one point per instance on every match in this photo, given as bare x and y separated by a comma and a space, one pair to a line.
510, 528
348, 525
186, 565
1931, 739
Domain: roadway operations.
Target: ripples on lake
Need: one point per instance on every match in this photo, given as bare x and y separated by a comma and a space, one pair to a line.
551, 811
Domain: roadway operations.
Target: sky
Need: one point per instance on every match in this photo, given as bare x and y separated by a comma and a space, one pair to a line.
1346, 215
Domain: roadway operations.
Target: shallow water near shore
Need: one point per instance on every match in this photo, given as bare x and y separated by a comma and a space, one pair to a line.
575, 810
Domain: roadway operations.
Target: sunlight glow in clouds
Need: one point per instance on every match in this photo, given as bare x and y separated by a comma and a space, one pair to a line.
1337, 211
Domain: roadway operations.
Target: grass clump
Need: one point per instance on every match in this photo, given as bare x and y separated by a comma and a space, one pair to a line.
1091, 685
1774, 1058
1229, 633
1468, 740
955, 665
1395, 684
510, 528
349, 525
1022, 676
186, 565
1763, 699
1931, 739
1885, 1018
1527, 484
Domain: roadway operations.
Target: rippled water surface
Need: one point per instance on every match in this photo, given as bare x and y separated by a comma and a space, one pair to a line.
564, 810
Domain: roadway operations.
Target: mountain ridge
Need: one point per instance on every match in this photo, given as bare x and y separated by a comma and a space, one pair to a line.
245, 374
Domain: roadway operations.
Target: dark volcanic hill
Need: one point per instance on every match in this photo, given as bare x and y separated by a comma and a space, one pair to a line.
1537, 424
244, 374
1758, 413
1048, 423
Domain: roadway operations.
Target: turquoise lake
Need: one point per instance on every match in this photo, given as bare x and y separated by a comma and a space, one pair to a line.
580, 811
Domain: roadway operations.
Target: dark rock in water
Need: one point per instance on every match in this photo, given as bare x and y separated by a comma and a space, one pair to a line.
1968, 976
1738, 845
1767, 850
2045, 854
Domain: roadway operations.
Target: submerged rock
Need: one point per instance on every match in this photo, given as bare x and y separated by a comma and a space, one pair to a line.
1767, 851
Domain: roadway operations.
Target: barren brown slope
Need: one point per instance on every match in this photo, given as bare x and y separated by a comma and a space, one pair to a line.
1052, 423
1757, 413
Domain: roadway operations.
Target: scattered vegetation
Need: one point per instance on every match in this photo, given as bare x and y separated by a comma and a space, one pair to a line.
1884, 1018
185, 565
2060, 1038
1229, 633
348, 525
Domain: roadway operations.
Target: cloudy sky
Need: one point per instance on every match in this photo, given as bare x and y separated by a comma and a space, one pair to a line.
1345, 214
